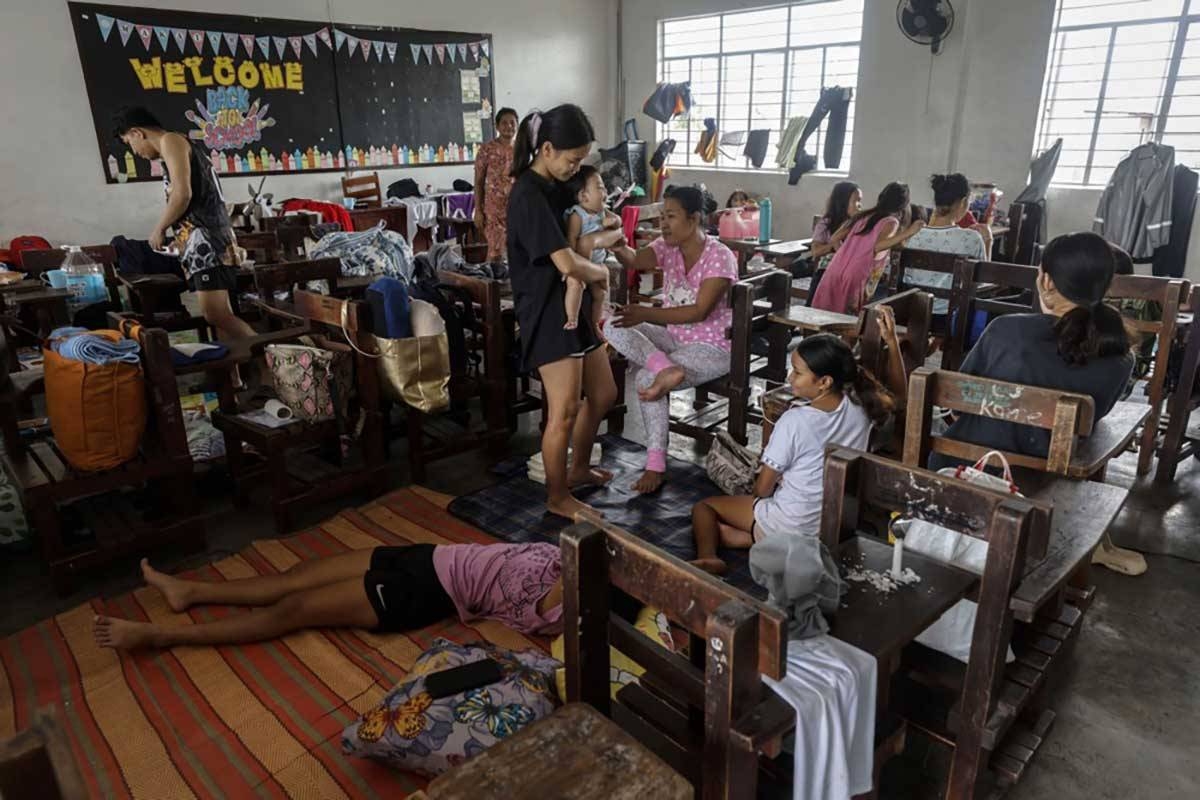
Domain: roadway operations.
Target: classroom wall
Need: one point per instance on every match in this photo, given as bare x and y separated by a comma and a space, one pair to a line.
973, 108
51, 174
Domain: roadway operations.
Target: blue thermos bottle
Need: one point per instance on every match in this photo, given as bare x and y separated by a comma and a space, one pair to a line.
764, 220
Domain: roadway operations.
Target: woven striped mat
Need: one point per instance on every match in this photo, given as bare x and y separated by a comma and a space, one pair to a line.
258, 720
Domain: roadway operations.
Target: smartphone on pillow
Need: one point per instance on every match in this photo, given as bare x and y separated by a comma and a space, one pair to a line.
460, 679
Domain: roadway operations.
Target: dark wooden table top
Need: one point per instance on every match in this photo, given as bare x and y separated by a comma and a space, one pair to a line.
814, 320
881, 624
576, 753
42, 295
1083, 511
1109, 438
26, 285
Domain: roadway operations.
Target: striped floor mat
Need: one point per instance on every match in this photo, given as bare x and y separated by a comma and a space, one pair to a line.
231, 722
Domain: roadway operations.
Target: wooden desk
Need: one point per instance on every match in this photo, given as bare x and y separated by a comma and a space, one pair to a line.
787, 251
574, 753
47, 306
22, 286
815, 320
1109, 438
745, 250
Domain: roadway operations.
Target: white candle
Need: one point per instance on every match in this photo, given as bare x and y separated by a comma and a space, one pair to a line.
897, 554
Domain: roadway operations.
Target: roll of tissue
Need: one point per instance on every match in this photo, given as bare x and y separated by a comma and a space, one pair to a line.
277, 410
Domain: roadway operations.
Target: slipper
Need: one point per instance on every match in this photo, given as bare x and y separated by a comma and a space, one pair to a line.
1118, 559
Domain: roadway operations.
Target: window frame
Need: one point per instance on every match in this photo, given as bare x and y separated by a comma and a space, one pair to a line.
787, 51
1189, 14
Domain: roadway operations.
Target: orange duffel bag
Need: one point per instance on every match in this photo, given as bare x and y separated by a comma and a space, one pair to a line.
97, 411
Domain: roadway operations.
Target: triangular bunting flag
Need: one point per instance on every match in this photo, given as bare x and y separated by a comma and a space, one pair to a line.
338, 37
214, 40
485, 47
323, 35
351, 45
124, 28
280, 43
294, 41
391, 48
164, 37
197, 38
475, 50
231, 39
105, 23
428, 49
248, 43
366, 50
145, 33
416, 51
378, 51
180, 38
462, 53
311, 41
440, 49
452, 51
264, 45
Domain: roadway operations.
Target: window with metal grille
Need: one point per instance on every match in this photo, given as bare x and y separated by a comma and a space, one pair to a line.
754, 70
1120, 73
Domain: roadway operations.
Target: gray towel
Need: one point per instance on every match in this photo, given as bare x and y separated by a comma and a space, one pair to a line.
801, 578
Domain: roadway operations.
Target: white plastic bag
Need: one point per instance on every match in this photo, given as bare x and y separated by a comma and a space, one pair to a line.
952, 632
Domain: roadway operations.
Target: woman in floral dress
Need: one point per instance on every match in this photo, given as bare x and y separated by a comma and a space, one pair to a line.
493, 183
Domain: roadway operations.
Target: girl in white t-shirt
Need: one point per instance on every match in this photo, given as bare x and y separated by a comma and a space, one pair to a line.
837, 402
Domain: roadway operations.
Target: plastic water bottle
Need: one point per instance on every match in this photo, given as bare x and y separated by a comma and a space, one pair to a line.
764, 220
85, 278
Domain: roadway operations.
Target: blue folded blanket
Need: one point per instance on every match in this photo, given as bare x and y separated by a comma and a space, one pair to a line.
185, 355
79, 344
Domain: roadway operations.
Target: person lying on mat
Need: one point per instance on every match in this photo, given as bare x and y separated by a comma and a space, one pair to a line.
837, 402
385, 589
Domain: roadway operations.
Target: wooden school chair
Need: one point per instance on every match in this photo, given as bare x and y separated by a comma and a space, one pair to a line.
988, 287
1167, 293
1020, 244
40, 756
36, 262
364, 190
859, 490
687, 710
1184, 399
262, 247
46, 482
276, 285
291, 230
647, 231
753, 301
395, 218
438, 435
304, 463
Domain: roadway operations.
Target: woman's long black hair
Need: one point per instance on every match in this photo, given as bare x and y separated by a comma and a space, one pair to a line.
835, 208
826, 354
892, 202
1082, 267
948, 190
566, 127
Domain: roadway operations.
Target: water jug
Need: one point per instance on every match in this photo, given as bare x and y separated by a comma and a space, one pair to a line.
85, 278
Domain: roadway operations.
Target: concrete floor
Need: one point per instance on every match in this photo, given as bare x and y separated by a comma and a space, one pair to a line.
1128, 712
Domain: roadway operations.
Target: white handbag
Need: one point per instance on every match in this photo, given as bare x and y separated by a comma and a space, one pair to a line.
953, 631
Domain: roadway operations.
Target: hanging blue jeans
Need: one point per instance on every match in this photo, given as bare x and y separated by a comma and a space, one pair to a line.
834, 102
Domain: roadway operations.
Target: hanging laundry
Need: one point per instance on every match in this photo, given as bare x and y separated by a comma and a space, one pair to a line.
706, 148
422, 213
834, 102
1135, 210
789, 140
756, 147
668, 100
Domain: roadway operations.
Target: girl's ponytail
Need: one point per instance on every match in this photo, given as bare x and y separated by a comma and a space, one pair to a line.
525, 145
868, 392
1087, 332
1082, 266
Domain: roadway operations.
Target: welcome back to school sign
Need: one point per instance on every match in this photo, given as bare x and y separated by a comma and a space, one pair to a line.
275, 96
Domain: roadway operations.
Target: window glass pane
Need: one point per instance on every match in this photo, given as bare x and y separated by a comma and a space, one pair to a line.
687, 37
1090, 12
755, 30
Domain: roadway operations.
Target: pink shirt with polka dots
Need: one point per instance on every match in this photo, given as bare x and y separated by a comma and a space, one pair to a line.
681, 287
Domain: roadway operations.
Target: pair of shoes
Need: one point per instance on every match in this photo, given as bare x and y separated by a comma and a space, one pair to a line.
1118, 559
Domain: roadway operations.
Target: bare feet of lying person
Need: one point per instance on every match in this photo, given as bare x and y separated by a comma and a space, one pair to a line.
123, 634
650, 482
592, 476
664, 382
568, 507
713, 566
174, 590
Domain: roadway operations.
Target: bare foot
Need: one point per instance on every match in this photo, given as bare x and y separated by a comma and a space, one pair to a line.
568, 507
122, 634
174, 590
714, 566
592, 476
664, 382
649, 483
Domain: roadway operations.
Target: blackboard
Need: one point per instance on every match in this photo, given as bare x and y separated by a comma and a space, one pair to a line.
273, 96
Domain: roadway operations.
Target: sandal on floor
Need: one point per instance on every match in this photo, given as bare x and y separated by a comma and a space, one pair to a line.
1118, 559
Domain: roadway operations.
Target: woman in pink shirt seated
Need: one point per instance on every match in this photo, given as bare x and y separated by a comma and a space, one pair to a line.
386, 589
855, 270
683, 344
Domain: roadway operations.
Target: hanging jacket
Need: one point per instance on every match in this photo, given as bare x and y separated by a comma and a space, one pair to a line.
1171, 259
1135, 209
668, 100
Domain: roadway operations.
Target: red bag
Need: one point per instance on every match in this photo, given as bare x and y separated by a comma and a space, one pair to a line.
20, 243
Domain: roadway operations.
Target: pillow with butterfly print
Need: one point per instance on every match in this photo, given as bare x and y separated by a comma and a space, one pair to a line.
411, 731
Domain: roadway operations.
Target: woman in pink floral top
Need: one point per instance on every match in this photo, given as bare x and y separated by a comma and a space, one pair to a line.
683, 344
493, 163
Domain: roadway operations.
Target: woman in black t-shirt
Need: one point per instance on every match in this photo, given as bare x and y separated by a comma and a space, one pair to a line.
548, 150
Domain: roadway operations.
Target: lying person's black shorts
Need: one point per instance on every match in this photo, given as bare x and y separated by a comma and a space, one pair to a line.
403, 588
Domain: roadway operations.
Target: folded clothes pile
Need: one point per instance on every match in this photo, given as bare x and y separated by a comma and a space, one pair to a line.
80, 344
184, 355
537, 468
